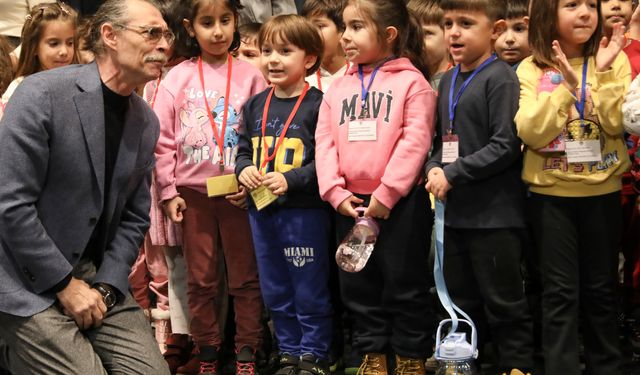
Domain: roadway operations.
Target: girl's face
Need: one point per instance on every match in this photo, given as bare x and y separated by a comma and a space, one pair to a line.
213, 28
360, 41
56, 45
577, 21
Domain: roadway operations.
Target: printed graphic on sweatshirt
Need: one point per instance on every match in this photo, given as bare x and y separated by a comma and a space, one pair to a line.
291, 153
575, 130
377, 104
196, 140
299, 256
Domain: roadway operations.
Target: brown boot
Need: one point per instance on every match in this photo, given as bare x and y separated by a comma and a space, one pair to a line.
373, 364
409, 366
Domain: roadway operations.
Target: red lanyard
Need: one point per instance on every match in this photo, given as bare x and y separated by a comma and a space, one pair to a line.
266, 157
319, 76
219, 136
155, 92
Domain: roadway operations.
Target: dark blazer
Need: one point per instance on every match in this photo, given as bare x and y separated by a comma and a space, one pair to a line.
52, 166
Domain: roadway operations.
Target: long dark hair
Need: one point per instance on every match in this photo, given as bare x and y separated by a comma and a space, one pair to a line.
187, 46
410, 40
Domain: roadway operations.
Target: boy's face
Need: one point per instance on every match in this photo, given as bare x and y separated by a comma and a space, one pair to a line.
285, 64
469, 35
434, 44
330, 35
615, 11
249, 52
512, 46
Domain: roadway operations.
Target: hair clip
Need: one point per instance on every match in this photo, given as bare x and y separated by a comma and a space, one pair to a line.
63, 8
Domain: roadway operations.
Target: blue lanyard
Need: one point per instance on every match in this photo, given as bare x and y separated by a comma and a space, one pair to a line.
365, 92
453, 104
583, 90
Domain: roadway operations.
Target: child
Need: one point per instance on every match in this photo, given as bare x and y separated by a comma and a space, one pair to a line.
475, 166
512, 46
429, 13
620, 12
382, 112
48, 41
6, 66
294, 284
327, 16
198, 105
570, 120
249, 50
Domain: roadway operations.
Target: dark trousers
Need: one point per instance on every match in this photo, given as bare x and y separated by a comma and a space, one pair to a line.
209, 223
577, 240
389, 298
293, 262
482, 269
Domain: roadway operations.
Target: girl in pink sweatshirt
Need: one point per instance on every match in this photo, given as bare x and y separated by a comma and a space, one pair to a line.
199, 104
374, 131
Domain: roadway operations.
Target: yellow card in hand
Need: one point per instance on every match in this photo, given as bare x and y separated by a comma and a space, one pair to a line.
262, 197
222, 185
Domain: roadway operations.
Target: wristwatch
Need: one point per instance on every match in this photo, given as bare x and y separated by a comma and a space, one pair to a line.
108, 295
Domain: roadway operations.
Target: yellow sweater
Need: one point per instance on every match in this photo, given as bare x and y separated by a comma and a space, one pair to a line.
545, 109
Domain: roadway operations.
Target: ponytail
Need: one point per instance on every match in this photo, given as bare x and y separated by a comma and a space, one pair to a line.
411, 46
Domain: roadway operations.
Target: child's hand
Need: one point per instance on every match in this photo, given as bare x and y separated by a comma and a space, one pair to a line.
238, 199
250, 177
276, 182
173, 209
609, 49
377, 210
437, 184
347, 207
570, 78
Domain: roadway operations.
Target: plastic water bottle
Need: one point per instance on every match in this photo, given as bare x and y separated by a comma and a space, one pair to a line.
355, 249
455, 355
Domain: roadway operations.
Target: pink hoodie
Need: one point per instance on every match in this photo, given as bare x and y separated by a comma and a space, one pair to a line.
402, 104
187, 153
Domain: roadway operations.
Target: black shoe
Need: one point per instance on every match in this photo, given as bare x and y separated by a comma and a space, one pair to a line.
245, 362
288, 364
310, 365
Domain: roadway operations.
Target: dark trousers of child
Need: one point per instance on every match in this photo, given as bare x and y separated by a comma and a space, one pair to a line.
209, 222
389, 298
482, 270
293, 261
577, 242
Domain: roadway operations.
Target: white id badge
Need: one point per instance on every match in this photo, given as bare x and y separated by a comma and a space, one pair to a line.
583, 151
450, 148
362, 131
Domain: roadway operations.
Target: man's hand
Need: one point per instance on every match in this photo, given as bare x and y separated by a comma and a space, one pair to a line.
250, 177
347, 207
377, 210
276, 182
82, 303
238, 199
173, 209
437, 183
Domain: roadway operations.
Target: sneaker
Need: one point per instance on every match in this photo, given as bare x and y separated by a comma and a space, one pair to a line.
245, 361
409, 366
431, 364
310, 365
191, 367
287, 365
373, 364
208, 367
515, 371
179, 349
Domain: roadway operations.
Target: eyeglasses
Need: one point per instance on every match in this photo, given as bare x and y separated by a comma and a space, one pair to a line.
151, 33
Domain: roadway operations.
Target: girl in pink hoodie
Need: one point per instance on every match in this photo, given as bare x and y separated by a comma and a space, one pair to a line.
198, 105
373, 135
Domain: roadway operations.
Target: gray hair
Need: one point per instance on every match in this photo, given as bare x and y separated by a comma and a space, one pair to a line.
113, 12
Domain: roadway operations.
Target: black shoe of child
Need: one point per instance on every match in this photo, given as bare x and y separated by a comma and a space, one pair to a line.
288, 364
310, 365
